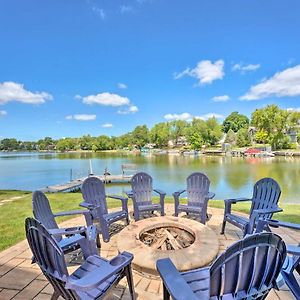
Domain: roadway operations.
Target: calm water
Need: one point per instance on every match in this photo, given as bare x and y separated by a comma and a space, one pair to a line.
230, 176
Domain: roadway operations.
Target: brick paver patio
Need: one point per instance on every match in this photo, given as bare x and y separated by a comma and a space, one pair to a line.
19, 279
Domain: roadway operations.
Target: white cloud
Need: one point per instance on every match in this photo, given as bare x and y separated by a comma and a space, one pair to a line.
283, 84
107, 125
126, 9
133, 109
184, 116
293, 109
210, 115
99, 11
107, 99
223, 98
13, 91
3, 113
81, 117
189, 117
205, 72
130, 110
122, 85
243, 68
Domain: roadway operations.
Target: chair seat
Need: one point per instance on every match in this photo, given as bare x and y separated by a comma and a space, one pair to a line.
199, 281
189, 208
70, 242
149, 207
115, 216
239, 221
92, 263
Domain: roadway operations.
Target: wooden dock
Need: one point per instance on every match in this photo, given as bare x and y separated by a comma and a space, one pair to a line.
75, 185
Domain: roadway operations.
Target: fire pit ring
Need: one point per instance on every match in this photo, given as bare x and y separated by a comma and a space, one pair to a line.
199, 253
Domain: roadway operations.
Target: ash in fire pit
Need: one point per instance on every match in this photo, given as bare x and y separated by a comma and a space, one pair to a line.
167, 238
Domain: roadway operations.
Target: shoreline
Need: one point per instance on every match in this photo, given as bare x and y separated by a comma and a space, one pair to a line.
167, 151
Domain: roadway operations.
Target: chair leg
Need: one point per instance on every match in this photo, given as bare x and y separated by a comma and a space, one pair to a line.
105, 233
166, 293
55, 295
98, 241
223, 226
129, 277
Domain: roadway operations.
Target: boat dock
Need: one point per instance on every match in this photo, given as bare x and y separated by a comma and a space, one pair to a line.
75, 185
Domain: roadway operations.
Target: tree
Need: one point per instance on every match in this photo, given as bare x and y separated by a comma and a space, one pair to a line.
178, 128
243, 138
160, 134
273, 121
235, 121
214, 132
86, 142
62, 145
196, 141
261, 136
230, 137
102, 142
140, 136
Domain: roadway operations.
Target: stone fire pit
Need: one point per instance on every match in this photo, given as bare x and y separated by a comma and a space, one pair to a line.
189, 244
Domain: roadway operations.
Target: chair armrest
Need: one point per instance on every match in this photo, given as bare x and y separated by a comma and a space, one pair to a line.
235, 200
276, 223
159, 192
123, 199
293, 249
178, 193
67, 231
266, 211
210, 195
117, 197
94, 278
87, 205
71, 212
129, 194
86, 213
173, 281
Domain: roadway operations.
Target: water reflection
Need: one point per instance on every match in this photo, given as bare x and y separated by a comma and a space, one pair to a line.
230, 176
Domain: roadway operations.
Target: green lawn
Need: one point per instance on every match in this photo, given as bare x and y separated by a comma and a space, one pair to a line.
13, 214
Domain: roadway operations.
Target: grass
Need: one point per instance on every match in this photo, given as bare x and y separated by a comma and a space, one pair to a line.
13, 214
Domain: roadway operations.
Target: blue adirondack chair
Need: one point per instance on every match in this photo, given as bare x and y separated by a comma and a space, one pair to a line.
93, 192
266, 194
198, 195
141, 195
246, 270
92, 280
292, 262
69, 239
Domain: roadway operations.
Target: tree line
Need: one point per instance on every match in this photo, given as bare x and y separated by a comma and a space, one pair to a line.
269, 125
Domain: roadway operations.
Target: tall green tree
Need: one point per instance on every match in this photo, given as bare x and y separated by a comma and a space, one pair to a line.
230, 137
214, 132
178, 128
243, 138
274, 121
160, 134
140, 136
235, 121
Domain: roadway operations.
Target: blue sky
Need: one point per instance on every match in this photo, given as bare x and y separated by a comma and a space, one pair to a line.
75, 67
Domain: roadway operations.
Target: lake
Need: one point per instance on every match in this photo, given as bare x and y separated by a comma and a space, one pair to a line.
230, 176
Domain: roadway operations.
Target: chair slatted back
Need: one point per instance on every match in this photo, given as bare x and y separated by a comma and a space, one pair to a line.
266, 194
248, 268
43, 212
197, 187
93, 191
141, 184
48, 255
